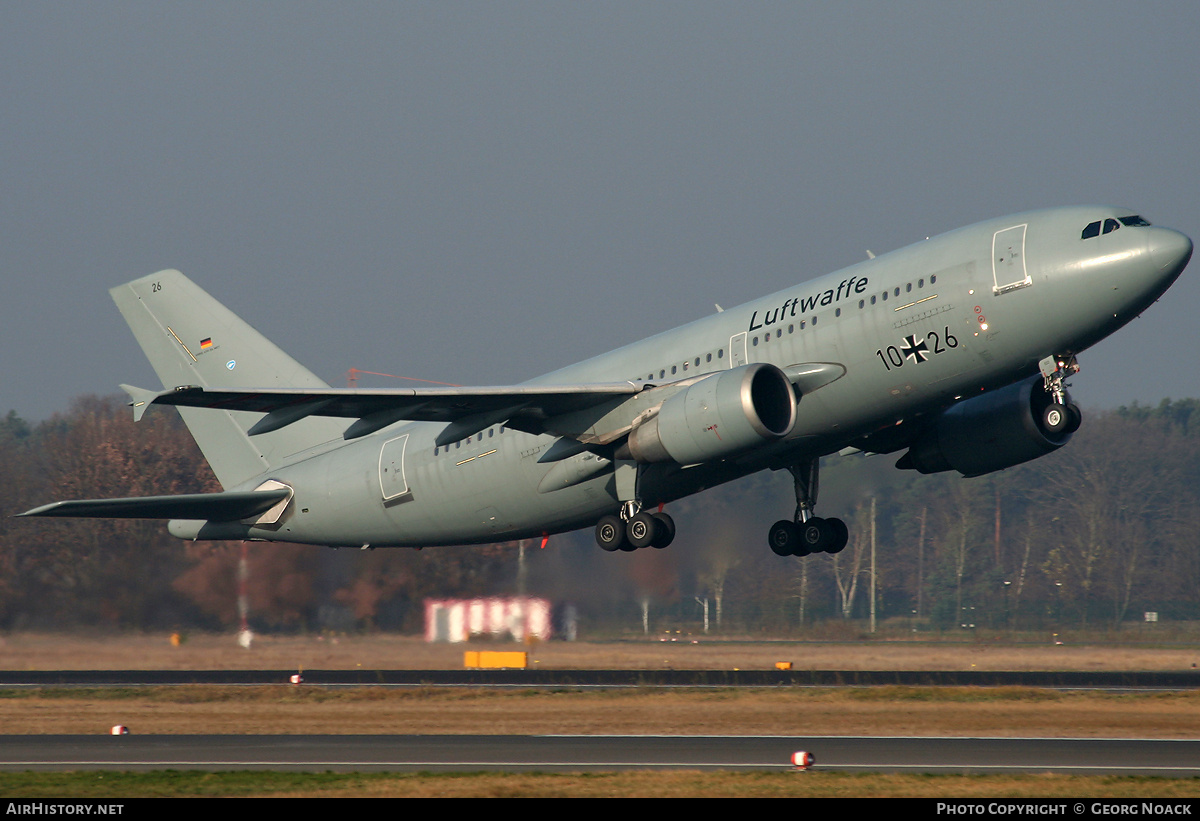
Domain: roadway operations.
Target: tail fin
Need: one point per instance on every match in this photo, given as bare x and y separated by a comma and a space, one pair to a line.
191, 339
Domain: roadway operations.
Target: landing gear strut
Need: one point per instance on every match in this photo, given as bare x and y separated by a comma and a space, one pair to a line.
634, 528
807, 533
1061, 416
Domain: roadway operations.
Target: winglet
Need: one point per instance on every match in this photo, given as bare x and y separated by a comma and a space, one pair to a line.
140, 399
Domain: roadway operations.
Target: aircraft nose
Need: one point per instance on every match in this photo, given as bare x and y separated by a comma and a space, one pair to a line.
1170, 250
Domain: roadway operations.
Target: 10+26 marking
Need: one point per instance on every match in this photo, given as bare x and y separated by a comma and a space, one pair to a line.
918, 350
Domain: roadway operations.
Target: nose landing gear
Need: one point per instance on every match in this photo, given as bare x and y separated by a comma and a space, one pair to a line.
1061, 416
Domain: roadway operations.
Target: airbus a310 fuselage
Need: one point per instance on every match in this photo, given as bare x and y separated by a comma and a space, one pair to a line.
953, 350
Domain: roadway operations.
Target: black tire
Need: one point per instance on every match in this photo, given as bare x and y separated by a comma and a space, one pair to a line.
666, 531
841, 535
1075, 418
784, 538
1055, 419
815, 536
610, 533
641, 530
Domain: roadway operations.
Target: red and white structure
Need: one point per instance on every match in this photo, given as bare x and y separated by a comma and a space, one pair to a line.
514, 618
802, 760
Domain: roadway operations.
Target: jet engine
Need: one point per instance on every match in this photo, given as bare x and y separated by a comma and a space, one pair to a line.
990, 432
718, 416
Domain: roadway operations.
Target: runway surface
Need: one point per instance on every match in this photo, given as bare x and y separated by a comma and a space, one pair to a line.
397, 753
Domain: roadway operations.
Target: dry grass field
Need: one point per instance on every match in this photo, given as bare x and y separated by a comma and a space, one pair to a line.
787, 711
35, 651
791, 711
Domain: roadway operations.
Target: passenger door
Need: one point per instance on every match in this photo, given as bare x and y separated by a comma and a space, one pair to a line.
1009, 271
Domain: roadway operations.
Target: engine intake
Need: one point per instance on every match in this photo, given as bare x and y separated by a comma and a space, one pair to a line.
718, 416
988, 432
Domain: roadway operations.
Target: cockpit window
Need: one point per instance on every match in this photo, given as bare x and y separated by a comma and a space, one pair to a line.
1110, 225
1134, 220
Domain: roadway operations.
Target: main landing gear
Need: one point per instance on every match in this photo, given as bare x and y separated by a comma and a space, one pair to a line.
634, 528
807, 533
1061, 416
640, 530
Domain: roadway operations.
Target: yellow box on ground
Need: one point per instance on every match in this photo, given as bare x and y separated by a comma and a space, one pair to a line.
495, 658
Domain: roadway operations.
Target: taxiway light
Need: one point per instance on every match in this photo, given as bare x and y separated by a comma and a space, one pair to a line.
802, 760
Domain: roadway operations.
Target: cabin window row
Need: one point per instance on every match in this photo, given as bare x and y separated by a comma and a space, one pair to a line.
707, 359
792, 328
862, 303
478, 437
675, 370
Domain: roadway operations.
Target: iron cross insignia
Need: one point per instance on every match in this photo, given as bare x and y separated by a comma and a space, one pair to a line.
917, 350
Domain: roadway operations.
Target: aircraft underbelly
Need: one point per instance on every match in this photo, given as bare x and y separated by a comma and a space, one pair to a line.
481, 491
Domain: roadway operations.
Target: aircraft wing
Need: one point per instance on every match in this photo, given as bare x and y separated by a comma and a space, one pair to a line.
520, 406
216, 507
467, 410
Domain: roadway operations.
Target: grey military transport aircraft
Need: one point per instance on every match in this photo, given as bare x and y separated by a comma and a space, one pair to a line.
953, 350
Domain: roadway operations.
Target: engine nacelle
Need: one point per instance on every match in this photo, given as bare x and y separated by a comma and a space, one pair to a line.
988, 432
718, 416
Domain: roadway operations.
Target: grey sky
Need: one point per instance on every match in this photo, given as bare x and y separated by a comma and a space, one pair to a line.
481, 192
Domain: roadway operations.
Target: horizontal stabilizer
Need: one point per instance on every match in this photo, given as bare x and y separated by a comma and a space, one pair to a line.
215, 507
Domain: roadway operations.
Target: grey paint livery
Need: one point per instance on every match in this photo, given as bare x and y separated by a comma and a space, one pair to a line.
876, 354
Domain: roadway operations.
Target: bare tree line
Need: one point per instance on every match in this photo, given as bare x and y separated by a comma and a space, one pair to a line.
1091, 536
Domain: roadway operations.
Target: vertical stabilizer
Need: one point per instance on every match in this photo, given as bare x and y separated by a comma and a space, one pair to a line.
191, 339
